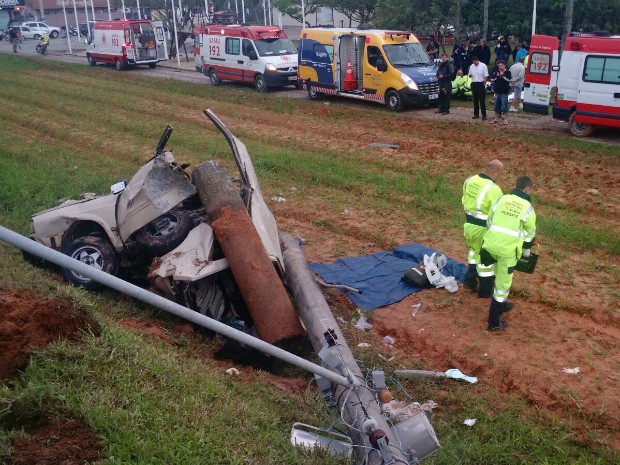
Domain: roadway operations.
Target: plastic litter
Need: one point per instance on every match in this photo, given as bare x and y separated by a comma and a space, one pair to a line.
416, 309
388, 341
433, 266
232, 371
429, 405
363, 345
571, 371
470, 421
301, 240
279, 198
362, 324
457, 374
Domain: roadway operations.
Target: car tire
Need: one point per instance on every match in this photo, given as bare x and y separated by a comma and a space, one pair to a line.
118, 65
579, 129
54, 34
312, 92
91, 60
393, 101
165, 233
260, 84
215, 80
152, 65
94, 251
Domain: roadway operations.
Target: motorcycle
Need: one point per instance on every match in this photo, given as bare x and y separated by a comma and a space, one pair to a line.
44, 41
72, 32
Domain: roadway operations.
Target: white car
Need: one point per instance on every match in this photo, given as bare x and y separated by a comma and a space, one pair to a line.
39, 28
27, 33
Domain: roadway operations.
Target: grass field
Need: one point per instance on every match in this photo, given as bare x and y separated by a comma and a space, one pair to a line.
71, 129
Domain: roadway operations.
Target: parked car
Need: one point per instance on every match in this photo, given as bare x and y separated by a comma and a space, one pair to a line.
84, 28
28, 33
40, 28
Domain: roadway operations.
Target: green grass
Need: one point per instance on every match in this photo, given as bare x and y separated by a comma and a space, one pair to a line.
152, 402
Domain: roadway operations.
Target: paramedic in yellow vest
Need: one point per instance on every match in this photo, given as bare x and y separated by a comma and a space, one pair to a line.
511, 231
479, 194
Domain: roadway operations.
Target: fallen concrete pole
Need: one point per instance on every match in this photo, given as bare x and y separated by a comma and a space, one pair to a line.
262, 290
150, 298
421, 374
356, 406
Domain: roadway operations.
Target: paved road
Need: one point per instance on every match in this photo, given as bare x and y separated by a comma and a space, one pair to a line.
58, 50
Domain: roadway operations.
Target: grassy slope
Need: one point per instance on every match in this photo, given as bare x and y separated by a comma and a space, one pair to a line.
76, 129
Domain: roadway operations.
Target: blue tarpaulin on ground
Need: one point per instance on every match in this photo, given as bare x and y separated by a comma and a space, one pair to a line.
379, 275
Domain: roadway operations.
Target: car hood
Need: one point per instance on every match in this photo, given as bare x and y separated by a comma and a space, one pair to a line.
421, 74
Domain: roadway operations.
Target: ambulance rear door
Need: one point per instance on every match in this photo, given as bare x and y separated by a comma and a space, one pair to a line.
160, 40
541, 74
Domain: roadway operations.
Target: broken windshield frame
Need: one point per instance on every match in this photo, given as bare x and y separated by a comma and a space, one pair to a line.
407, 55
275, 47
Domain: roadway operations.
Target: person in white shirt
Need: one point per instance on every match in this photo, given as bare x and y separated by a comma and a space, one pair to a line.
479, 74
518, 79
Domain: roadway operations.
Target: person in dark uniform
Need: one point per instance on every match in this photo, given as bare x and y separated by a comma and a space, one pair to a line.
445, 74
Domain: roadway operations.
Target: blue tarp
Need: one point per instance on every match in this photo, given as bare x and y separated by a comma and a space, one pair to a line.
379, 275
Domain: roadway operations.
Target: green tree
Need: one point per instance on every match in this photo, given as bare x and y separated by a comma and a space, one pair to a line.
361, 11
293, 7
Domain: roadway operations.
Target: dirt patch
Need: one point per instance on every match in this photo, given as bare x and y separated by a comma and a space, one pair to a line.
56, 441
28, 324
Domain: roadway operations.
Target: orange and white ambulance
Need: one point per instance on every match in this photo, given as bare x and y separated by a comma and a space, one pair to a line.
586, 81
260, 55
126, 42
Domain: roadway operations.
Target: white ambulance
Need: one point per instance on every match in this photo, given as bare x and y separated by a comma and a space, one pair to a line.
586, 82
126, 42
260, 55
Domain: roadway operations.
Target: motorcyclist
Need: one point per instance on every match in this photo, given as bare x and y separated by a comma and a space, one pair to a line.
44, 41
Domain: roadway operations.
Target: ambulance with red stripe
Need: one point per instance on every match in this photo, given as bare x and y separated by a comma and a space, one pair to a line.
586, 82
126, 42
260, 55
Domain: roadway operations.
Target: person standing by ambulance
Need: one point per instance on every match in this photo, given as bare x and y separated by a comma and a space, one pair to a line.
445, 75
480, 192
511, 230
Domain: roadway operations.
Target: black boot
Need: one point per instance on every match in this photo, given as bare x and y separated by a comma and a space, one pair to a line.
507, 306
470, 281
486, 287
495, 312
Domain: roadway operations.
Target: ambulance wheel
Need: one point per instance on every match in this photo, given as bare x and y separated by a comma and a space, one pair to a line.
152, 65
91, 62
215, 80
118, 65
260, 84
312, 93
393, 101
579, 129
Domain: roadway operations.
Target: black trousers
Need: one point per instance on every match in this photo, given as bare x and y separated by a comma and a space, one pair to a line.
445, 92
478, 91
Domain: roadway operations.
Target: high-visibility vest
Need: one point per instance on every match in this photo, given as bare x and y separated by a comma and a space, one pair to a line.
512, 221
479, 195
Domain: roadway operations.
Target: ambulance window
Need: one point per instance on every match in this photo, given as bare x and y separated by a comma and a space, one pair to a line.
602, 69
232, 46
373, 54
323, 53
539, 63
159, 33
247, 47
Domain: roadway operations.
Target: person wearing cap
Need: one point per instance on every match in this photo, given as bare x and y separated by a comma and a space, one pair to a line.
517, 80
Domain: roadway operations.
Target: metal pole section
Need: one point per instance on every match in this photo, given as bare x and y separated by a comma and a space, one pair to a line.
136, 292
123, 4
206, 18
269, 12
109, 11
87, 23
92, 7
303, 14
265, 12
176, 35
237, 8
534, 19
64, 12
77, 22
358, 406
138, 5
243, 10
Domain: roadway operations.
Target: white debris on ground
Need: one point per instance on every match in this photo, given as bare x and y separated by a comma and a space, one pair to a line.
571, 371
470, 421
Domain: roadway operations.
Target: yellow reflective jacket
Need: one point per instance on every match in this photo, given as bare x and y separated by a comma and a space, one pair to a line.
511, 225
479, 194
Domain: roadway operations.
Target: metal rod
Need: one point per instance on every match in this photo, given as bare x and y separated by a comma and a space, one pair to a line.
136, 292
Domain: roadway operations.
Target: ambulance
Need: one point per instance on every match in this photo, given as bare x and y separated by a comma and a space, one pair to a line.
586, 82
126, 42
389, 67
260, 55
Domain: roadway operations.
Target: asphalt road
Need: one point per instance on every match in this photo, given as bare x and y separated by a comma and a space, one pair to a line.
184, 70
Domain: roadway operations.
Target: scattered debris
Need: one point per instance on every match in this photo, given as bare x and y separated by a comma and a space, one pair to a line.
384, 145
362, 324
385, 396
416, 309
278, 198
346, 212
470, 421
593, 192
571, 371
385, 358
388, 341
429, 405
363, 345
301, 240
232, 371
421, 374
457, 374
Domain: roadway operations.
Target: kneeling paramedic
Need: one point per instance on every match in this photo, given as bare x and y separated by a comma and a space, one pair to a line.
511, 231
480, 192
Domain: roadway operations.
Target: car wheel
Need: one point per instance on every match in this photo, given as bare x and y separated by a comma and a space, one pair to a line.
119, 66
54, 34
215, 80
579, 129
260, 84
312, 92
393, 101
94, 251
152, 65
165, 233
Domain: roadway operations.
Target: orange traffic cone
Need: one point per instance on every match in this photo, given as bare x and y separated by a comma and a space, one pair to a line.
350, 83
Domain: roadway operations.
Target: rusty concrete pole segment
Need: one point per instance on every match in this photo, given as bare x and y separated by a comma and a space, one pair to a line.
317, 317
262, 290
